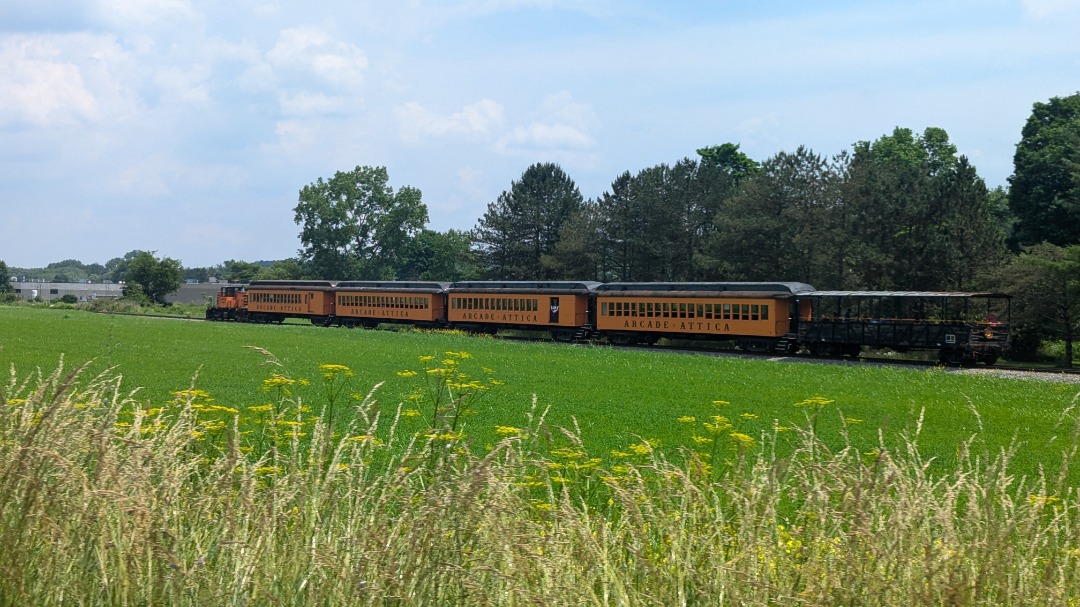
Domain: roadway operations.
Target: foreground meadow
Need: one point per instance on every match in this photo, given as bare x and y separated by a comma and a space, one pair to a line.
290, 464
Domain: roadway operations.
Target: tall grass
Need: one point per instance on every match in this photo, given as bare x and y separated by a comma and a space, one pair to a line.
94, 510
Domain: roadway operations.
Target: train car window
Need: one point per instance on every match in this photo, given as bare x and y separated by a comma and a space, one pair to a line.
603, 308
727, 311
641, 308
755, 313
765, 312
708, 311
746, 311
666, 313
700, 311
682, 310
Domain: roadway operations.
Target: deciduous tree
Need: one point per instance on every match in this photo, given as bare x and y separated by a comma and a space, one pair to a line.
241, 271
1045, 185
355, 226
5, 278
442, 256
1045, 282
152, 277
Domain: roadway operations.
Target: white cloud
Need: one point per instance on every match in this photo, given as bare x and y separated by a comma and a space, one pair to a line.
562, 125
545, 136
476, 119
55, 80
301, 52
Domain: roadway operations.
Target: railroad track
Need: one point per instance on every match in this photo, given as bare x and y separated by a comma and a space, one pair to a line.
1008, 371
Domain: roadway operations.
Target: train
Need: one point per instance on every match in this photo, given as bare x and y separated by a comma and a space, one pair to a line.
784, 318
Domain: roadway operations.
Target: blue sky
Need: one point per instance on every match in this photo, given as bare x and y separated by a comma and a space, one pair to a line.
187, 127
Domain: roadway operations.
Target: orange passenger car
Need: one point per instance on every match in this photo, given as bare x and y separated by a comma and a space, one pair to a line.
368, 303
487, 306
758, 316
276, 300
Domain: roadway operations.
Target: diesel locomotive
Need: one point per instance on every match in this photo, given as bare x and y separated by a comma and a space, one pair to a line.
781, 317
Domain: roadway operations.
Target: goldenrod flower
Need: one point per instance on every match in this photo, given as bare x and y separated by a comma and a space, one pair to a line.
688, 419
815, 402
742, 440
276, 380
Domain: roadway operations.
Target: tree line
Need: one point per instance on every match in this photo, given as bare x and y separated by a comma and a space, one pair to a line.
902, 212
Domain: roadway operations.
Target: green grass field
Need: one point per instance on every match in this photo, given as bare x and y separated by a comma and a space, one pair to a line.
618, 398
692, 480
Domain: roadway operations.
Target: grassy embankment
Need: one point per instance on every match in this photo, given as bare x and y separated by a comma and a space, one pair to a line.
680, 478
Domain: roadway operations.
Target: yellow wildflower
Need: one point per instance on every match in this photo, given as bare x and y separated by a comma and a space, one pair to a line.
742, 440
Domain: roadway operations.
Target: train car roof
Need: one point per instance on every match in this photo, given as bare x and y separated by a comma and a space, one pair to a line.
913, 294
525, 286
395, 285
668, 288
303, 284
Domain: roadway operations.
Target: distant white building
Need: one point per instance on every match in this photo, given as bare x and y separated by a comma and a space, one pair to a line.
55, 290
188, 293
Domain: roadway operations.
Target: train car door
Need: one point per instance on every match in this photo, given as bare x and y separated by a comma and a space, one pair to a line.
554, 311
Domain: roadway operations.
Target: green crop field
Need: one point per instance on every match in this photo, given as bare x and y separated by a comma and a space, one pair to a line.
195, 463
617, 398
